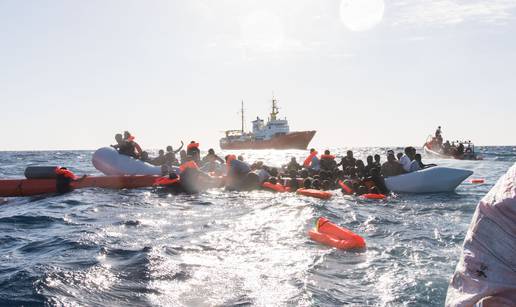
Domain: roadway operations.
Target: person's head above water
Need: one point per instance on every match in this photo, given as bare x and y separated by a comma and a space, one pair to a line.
327, 152
377, 158
169, 148
211, 151
312, 150
161, 152
349, 154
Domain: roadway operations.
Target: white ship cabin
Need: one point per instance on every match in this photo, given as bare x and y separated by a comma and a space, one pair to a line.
274, 127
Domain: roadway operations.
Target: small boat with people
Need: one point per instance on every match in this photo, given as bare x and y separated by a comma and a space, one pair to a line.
460, 150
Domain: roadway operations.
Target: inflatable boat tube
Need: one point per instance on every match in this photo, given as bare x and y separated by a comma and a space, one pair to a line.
31, 187
108, 161
373, 196
486, 273
431, 180
274, 187
330, 234
315, 193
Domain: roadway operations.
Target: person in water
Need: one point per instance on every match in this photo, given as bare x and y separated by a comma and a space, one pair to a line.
160, 159
293, 166
347, 161
327, 162
392, 167
312, 162
377, 161
193, 150
212, 157
170, 156
145, 157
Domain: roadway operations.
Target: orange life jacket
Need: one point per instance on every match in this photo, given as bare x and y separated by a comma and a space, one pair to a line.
308, 160
61, 171
331, 157
164, 181
275, 187
188, 164
192, 146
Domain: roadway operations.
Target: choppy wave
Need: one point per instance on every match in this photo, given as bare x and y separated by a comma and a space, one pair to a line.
137, 248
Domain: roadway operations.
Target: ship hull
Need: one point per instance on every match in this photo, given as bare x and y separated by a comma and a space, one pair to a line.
293, 140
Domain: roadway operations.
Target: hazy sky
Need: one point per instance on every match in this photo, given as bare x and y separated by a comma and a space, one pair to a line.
360, 72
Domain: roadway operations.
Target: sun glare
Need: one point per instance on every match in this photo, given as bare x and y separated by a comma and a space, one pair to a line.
361, 15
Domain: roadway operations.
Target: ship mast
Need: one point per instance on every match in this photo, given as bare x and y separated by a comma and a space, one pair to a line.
242, 113
275, 109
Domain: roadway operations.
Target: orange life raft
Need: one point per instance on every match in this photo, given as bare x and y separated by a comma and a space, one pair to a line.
275, 187
31, 187
315, 193
330, 234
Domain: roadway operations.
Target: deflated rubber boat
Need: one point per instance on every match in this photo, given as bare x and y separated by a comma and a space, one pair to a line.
486, 273
431, 180
108, 161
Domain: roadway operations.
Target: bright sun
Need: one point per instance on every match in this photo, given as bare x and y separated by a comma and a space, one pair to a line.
361, 15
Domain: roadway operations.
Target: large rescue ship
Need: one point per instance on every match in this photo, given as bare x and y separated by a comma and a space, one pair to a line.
273, 135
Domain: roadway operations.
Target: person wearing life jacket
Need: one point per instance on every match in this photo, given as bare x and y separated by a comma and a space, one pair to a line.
375, 176
193, 150
126, 147
327, 162
312, 161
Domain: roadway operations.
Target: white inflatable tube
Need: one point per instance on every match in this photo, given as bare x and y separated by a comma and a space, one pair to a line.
486, 273
431, 180
111, 163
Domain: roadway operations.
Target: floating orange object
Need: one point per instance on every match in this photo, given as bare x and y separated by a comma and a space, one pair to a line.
345, 187
30, 187
274, 187
315, 193
166, 181
330, 234
477, 181
373, 196
187, 165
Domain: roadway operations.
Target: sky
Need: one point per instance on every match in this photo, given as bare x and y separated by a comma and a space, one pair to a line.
360, 72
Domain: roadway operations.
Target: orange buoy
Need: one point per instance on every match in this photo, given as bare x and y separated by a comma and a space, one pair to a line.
477, 180
274, 187
373, 196
330, 234
315, 193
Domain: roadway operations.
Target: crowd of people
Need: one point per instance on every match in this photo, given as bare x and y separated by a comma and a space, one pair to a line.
324, 172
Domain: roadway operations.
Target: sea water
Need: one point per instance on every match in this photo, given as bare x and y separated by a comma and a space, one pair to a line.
98, 247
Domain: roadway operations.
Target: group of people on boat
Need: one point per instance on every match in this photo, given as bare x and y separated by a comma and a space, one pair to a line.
457, 149
322, 172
